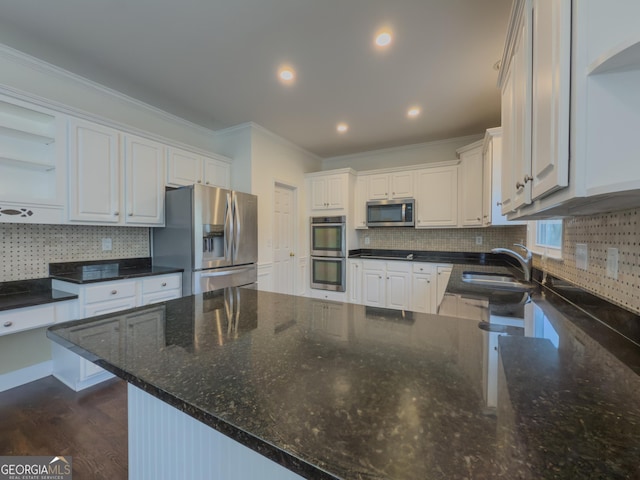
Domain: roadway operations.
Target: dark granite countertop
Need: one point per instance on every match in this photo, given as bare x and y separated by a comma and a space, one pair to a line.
369, 393
104, 270
30, 293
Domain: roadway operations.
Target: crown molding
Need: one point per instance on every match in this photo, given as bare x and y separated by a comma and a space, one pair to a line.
13, 55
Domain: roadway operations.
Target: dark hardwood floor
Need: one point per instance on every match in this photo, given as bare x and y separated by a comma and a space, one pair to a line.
47, 418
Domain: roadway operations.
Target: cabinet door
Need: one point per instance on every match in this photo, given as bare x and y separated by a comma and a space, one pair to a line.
336, 191
442, 280
94, 173
354, 283
217, 173
398, 290
522, 115
144, 181
319, 193
401, 184
487, 183
373, 287
508, 130
437, 197
360, 207
421, 294
550, 96
379, 187
183, 168
471, 186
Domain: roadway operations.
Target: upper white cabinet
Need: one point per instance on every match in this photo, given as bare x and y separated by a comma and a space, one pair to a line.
32, 163
94, 173
535, 93
188, 168
329, 192
471, 185
385, 186
114, 178
144, 181
360, 206
437, 197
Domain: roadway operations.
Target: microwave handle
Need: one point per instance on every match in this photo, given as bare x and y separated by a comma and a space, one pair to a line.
404, 212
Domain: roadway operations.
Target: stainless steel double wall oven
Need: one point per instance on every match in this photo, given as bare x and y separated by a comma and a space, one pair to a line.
328, 253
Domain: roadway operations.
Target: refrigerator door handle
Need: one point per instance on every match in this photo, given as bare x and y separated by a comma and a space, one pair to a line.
228, 229
236, 229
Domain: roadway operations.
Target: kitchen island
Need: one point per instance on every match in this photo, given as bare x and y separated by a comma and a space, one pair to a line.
321, 389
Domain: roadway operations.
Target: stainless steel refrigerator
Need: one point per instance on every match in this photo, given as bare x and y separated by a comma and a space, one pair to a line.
210, 232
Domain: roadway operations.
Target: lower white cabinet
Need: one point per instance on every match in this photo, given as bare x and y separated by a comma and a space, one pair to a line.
399, 285
103, 298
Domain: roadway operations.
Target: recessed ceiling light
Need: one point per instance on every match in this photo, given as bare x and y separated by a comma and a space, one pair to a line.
383, 38
286, 74
413, 112
342, 127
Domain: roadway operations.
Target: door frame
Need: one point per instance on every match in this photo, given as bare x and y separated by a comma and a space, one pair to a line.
277, 183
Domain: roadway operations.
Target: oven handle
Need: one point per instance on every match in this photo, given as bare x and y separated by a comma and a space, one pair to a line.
328, 224
225, 272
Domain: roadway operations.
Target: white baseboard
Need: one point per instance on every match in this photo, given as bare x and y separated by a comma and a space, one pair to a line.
25, 375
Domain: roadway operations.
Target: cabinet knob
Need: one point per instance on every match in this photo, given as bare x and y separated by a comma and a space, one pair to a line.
479, 219
207, 183
528, 178
113, 292
519, 185
379, 276
115, 214
498, 204
421, 268
164, 284
486, 216
386, 193
131, 214
8, 323
198, 181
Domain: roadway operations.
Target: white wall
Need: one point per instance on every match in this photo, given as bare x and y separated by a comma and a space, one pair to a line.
277, 160
431, 152
38, 80
235, 143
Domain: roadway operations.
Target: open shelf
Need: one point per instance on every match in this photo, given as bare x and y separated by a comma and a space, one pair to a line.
25, 135
625, 56
26, 164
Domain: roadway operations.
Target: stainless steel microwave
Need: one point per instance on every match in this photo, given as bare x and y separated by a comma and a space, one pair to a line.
391, 213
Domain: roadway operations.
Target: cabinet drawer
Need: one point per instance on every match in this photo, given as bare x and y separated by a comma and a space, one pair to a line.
161, 283
21, 319
420, 267
110, 291
329, 295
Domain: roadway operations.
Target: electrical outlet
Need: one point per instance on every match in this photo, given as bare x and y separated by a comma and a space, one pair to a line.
478, 239
612, 263
582, 256
107, 244
367, 240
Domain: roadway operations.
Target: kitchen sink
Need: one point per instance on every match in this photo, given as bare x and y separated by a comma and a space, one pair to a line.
496, 281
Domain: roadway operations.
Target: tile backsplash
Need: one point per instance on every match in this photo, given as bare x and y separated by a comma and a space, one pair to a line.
27, 250
619, 230
442, 240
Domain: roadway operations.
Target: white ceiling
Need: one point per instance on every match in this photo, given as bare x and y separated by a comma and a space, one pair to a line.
214, 62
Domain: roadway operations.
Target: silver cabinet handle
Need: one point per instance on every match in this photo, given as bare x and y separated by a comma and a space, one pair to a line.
478, 218
528, 178
164, 284
498, 204
519, 185
131, 214
8, 323
206, 183
198, 181
113, 292
379, 276
115, 214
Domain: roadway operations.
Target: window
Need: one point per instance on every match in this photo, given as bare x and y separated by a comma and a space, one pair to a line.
545, 236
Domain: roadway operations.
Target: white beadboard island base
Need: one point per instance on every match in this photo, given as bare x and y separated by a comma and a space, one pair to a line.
165, 443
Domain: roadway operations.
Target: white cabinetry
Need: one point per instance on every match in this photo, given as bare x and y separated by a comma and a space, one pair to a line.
443, 273
471, 185
361, 196
329, 192
188, 168
422, 291
437, 197
32, 169
386, 284
110, 183
385, 186
100, 299
354, 281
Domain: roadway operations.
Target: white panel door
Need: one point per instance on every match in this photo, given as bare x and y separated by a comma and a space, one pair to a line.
144, 181
401, 184
354, 282
379, 187
217, 173
94, 173
336, 191
283, 241
421, 293
398, 294
437, 197
507, 162
471, 188
550, 91
319, 193
183, 168
373, 287
442, 280
361, 197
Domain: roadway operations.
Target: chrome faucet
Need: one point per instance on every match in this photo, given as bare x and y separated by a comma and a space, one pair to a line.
525, 262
